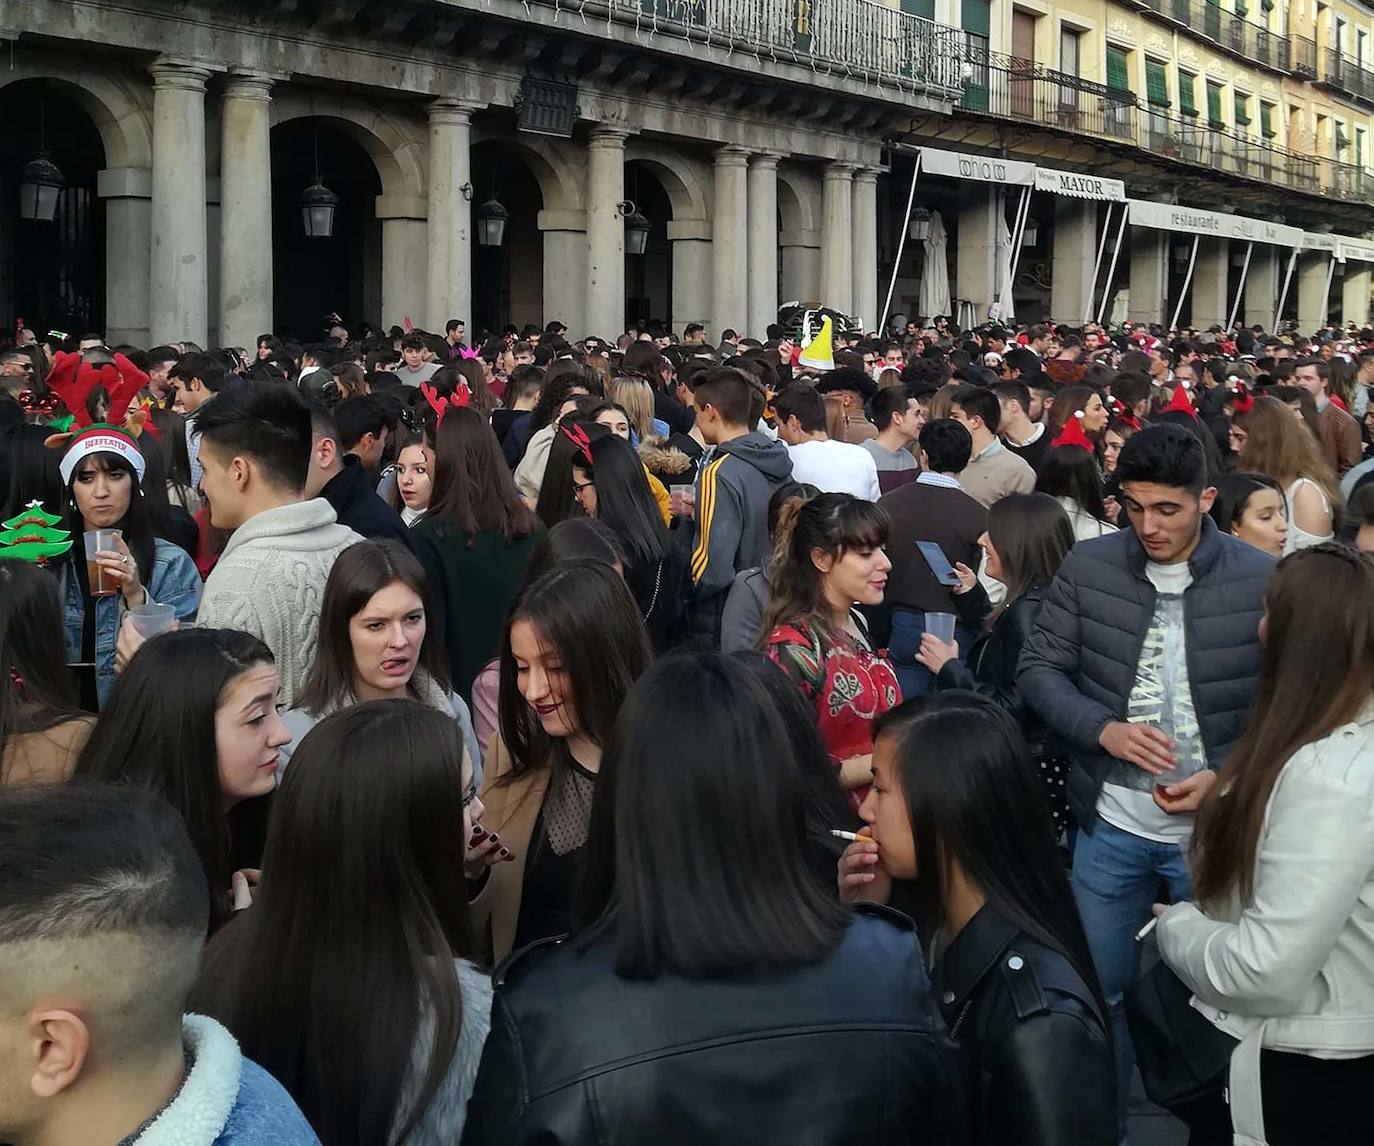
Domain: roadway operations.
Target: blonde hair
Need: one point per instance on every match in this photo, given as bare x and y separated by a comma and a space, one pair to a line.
1282, 447
637, 398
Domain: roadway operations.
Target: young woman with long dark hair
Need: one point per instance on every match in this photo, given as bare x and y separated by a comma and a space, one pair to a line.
1250, 506
560, 388
412, 487
102, 469
611, 485
375, 644
558, 500
194, 717
1071, 475
828, 557
347, 978
474, 542
1027, 539
710, 974
41, 729
953, 808
1275, 945
574, 644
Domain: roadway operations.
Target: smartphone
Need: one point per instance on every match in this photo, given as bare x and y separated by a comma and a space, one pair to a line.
940, 567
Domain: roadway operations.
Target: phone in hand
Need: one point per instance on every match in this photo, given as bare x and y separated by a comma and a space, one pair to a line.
940, 568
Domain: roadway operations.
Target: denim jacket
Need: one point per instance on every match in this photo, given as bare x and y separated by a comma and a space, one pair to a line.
174, 581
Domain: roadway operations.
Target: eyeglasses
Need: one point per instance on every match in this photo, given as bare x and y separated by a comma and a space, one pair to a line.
579, 486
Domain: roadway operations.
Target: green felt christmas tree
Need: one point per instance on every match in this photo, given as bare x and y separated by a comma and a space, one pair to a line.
33, 534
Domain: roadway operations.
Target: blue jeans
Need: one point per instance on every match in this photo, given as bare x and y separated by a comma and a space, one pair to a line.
1116, 878
907, 630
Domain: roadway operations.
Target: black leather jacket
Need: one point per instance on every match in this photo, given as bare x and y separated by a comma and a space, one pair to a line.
1037, 1062
849, 1051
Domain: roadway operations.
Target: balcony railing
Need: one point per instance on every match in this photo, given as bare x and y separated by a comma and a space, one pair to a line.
1253, 41
862, 39
1008, 88
1304, 57
1350, 76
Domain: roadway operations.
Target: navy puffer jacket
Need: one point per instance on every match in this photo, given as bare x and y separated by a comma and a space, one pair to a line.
1078, 667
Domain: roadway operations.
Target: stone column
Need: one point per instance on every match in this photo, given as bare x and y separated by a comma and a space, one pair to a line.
1075, 249
1355, 294
565, 270
763, 244
1311, 287
730, 242
245, 210
178, 291
1211, 282
606, 232
837, 237
979, 225
1149, 274
128, 195
1262, 284
405, 257
865, 249
450, 212
692, 272
800, 254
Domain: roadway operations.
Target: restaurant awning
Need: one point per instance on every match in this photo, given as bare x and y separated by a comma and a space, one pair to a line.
1195, 221
1079, 186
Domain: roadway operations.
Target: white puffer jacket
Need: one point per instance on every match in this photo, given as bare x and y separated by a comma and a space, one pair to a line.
1293, 969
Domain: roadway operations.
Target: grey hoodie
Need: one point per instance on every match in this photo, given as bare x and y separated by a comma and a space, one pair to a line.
732, 491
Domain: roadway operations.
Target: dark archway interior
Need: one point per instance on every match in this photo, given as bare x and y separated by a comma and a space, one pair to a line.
507, 281
52, 275
649, 277
313, 276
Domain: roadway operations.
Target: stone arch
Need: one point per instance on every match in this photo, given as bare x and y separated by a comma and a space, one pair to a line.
119, 106
686, 179
799, 199
398, 147
557, 167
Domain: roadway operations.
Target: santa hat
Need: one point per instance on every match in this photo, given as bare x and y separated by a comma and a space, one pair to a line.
1241, 402
819, 353
1124, 414
1181, 402
1072, 434
100, 438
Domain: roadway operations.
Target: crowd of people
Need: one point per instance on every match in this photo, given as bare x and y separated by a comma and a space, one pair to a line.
809, 739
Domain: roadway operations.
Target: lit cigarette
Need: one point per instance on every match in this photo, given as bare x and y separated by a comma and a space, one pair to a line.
850, 836
1144, 931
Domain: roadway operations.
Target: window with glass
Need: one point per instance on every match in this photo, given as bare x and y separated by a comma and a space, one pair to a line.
977, 21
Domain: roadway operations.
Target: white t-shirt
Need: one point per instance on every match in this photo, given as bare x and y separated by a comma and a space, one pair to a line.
836, 467
1163, 697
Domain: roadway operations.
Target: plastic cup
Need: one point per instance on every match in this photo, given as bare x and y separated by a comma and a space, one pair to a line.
682, 500
100, 541
149, 620
941, 626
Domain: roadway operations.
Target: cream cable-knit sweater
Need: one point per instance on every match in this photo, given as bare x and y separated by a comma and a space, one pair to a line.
269, 581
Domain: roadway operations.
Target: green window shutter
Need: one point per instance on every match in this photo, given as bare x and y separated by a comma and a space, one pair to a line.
925, 8
1214, 105
1118, 72
1156, 84
1241, 10
1187, 93
977, 16
1267, 121
1242, 111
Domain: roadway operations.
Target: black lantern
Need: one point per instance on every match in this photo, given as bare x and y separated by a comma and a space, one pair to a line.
636, 229
317, 204
40, 183
491, 223
919, 229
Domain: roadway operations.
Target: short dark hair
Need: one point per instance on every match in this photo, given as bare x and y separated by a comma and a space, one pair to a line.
886, 404
522, 383
354, 417
1131, 386
947, 444
728, 333
1023, 360
1165, 455
1322, 368
728, 389
160, 354
264, 421
979, 402
453, 324
847, 378
205, 367
1014, 391
693, 328
804, 403
413, 341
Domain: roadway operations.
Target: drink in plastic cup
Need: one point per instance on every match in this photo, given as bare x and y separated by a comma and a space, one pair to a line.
100, 541
149, 620
682, 500
941, 626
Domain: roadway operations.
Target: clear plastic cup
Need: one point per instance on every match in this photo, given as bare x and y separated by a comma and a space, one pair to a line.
149, 620
941, 626
100, 541
682, 500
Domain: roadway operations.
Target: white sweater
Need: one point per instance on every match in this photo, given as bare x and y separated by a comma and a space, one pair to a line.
1291, 969
269, 581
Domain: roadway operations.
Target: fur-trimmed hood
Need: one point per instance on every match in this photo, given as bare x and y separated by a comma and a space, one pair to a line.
661, 459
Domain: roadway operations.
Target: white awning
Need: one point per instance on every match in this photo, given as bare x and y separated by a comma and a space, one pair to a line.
1360, 250
1195, 221
983, 168
1319, 241
1078, 185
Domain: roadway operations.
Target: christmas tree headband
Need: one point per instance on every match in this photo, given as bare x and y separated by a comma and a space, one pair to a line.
34, 535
